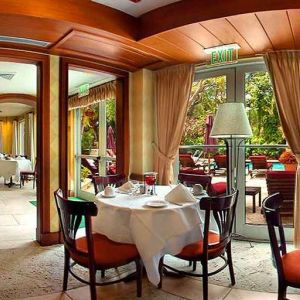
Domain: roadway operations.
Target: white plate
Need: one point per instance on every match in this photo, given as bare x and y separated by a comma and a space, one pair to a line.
157, 203
107, 196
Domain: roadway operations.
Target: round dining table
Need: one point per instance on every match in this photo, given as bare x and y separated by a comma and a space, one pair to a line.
127, 218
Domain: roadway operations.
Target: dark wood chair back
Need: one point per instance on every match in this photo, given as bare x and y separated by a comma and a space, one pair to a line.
191, 179
186, 160
220, 161
222, 208
271, 208
100, 182
283, 182
71, 213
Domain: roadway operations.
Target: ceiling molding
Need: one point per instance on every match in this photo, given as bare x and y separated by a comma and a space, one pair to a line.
186, 12
18, 98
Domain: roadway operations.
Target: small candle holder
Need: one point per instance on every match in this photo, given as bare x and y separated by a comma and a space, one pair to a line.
149, 183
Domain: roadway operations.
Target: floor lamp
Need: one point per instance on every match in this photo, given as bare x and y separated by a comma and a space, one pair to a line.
231, 123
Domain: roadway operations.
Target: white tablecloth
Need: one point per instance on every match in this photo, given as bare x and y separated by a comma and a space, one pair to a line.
9, 168
154, 231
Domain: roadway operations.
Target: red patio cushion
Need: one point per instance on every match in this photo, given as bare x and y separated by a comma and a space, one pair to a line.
190, 170
281, 174
219, 188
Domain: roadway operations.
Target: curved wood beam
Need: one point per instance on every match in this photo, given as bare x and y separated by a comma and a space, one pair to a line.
192, 11
18, 98
86, 13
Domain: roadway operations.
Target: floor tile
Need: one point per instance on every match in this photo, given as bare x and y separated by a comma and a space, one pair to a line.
7, 220
56, 296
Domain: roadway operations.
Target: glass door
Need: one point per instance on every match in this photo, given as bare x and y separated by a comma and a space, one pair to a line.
95, 137
254, 88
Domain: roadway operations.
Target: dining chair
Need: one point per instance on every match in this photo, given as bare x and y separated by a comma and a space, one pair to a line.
25, 175
287, 263
213, 245
283, 182
93, 251
100, 182
213, 189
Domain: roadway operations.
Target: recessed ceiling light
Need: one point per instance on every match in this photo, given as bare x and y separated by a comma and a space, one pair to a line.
18, 40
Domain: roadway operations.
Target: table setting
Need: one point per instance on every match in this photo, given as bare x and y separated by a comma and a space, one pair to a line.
158, 221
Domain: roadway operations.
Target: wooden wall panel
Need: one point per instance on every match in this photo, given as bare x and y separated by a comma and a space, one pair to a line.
277, 26
252, 31
228, 34
294, 16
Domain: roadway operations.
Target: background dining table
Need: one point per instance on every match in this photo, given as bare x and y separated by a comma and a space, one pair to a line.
127, 218
13, 167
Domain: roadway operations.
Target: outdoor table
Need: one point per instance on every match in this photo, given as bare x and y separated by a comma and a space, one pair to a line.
154, 231
253, 191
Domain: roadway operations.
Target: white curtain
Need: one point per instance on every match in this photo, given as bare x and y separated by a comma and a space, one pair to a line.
1, 137
15, 139
31, 137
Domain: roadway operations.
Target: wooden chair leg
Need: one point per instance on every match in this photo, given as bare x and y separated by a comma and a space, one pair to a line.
102, 273
139, 277
161, 272
33, 182
230, 264
194, 266
281, 292
205, 280
66, 270
93, 283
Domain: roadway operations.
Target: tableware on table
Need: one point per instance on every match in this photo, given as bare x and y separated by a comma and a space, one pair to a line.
149, 183
126, 188
109, 192
197, 189
180, 195
157, 203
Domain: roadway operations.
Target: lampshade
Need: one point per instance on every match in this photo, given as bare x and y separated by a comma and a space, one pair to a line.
231, 121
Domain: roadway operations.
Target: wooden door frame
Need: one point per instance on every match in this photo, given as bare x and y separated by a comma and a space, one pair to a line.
43, 234
122, 115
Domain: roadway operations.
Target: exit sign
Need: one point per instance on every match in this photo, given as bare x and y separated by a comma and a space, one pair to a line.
224, 54
84, 90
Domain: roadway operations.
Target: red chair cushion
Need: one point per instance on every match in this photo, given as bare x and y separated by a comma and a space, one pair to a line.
196, 249
281, 174
291, 266
218, 188
107, 252
189, 170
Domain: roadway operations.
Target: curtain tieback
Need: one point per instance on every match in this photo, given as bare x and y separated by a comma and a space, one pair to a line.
162, 155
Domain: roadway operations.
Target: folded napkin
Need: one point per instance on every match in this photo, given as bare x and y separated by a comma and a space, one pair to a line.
180, 194
126, 187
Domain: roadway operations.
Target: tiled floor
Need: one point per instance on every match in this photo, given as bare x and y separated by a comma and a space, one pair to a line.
17, 215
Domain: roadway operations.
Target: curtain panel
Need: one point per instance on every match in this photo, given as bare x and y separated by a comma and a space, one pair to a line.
31, 138
284, 68
15, 147
96, 94
172, 91
1, 137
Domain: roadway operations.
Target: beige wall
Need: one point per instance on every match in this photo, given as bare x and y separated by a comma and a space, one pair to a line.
54, 139
141, 112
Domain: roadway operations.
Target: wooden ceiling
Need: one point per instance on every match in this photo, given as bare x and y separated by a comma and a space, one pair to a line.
83, 29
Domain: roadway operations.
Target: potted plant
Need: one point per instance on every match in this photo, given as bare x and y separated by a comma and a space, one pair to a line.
288, 158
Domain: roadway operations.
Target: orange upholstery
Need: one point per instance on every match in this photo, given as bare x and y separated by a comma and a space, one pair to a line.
291, 266
196, 249
107, 252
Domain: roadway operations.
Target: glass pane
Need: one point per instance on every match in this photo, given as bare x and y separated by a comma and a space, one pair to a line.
261, 157
88, 167
111, 147
90, 130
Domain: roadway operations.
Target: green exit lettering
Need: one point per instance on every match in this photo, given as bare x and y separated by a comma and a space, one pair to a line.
223, 56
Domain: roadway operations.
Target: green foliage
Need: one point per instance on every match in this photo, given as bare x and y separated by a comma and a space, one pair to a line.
207, 94
111, 112
84, 173
87, 139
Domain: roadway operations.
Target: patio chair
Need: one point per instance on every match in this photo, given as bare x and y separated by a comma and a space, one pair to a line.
213, 245
93, 251
283, 182
220, 166
287, 264
259, 165
213, 189
100, 182
188, 165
